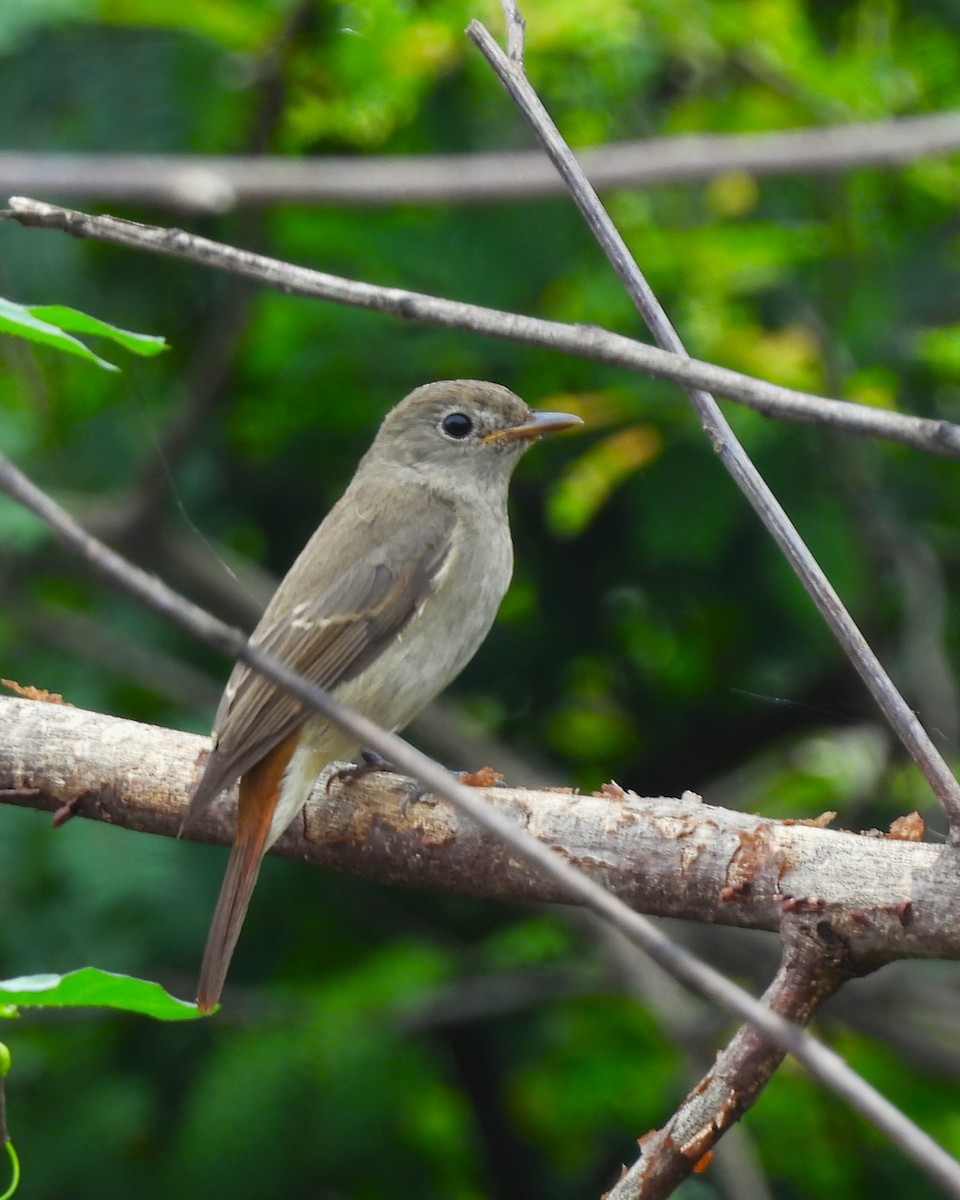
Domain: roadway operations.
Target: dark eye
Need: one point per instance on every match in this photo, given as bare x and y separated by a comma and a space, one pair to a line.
457, 425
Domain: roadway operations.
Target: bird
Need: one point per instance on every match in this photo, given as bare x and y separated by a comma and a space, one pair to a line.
385, 605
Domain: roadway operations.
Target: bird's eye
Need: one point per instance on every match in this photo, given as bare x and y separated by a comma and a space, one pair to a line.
457, 425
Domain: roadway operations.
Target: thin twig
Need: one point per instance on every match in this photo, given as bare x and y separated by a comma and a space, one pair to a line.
516, 32
221, 183
587, 341
822, 1063
732, 455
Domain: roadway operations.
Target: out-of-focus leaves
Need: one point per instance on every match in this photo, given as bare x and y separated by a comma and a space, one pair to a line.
607, 1092
20, 18
875, 387
789, 356
583, 488
940, 350
237, 25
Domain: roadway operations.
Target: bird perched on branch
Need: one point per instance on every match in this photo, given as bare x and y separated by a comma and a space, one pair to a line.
385, 605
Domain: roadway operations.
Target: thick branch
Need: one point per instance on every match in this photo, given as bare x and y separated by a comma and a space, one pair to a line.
587, 341
669, 857
218, 183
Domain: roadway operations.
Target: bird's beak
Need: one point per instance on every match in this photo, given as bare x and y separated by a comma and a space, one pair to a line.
538, 424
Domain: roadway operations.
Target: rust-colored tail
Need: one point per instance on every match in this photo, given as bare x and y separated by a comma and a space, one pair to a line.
242, 871
259, 792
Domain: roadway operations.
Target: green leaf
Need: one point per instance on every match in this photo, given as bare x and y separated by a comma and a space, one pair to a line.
48, 323
78, 322
92, 988
20, 322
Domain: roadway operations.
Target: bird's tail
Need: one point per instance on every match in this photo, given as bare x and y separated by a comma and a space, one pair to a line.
242, 871
259, 793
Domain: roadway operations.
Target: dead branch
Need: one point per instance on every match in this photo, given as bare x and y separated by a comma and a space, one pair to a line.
822, 1063
751, 1058
863, 935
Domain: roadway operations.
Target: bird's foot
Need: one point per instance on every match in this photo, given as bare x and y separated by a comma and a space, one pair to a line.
369, 762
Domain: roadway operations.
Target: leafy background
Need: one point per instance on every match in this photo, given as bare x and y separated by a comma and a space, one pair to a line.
376, 1042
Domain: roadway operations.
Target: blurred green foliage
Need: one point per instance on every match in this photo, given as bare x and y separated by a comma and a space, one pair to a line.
652, 635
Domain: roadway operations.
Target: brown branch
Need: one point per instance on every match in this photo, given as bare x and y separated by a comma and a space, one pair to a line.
587, 341
220, 183
752, 1057
734, 458
668, 857
692, 1031
814, 965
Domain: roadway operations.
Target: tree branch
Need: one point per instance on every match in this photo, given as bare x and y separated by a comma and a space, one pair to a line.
668, 857
587, 341
902, 719
219, 183
810, 972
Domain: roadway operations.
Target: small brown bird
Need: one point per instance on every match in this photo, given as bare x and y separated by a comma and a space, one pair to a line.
386, 604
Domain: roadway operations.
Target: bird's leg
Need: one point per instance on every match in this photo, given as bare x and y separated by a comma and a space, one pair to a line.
370, 761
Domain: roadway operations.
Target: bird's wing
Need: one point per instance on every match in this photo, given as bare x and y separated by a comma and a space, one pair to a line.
332, 616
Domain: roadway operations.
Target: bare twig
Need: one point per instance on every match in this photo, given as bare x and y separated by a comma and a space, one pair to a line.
732, 455
516, 32
587, 341
219, 183
822, 1063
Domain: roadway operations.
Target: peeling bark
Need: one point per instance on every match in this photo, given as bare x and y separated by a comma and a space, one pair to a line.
885, 897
